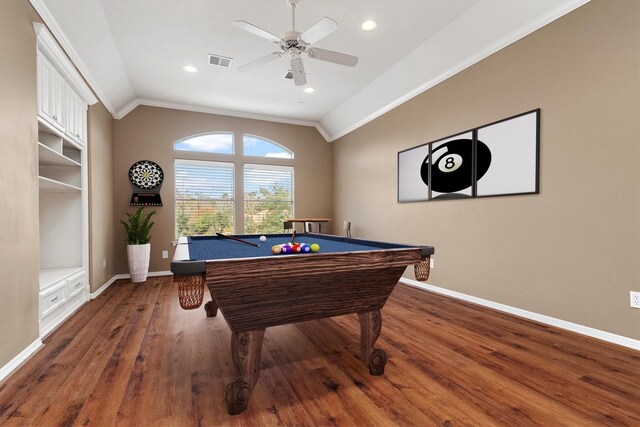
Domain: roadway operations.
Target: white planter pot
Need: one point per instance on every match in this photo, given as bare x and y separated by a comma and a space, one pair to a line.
138, 256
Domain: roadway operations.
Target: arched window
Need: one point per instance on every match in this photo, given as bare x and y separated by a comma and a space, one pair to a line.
215, 142
207, 198
261, 147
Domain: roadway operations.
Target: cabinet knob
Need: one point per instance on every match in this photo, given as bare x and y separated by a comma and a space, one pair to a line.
55, 117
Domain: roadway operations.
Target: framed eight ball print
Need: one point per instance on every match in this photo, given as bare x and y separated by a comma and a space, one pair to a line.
497, 159
514, 144
411, 186
449, 167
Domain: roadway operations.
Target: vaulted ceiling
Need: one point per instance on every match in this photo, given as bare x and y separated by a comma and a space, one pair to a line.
132, 52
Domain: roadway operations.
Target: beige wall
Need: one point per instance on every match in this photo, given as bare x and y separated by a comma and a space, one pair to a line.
148, 133
19, 241
572, 252
101, 195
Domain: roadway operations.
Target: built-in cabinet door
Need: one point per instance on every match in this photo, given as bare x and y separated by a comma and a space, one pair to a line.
83, 121
51, 92
45, 95
59, 88
73, 115
76, 117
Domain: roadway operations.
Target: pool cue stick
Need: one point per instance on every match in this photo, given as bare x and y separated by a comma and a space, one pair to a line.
237, 240
293, 236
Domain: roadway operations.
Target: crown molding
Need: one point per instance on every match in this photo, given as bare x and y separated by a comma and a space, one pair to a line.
66, 47
219, 111
346, 117
47, 46
515, 35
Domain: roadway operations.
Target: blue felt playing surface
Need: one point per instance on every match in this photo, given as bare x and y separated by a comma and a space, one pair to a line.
215, 247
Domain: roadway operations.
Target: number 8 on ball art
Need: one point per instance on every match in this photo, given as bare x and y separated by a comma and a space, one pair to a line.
452, 167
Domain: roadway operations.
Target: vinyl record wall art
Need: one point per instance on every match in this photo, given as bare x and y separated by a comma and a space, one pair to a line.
501, 158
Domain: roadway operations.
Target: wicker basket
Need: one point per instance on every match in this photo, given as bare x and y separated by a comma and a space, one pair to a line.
190, 290
422, 269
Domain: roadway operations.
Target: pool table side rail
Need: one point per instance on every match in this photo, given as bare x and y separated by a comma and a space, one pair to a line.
184, 254
256, 293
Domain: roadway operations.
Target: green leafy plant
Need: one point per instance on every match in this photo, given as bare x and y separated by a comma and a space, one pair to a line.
138, 227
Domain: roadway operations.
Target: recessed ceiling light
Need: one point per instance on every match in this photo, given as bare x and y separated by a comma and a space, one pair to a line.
190, 68
309, 89
369, 25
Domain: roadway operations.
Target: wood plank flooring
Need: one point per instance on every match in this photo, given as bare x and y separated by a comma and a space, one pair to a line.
133, 357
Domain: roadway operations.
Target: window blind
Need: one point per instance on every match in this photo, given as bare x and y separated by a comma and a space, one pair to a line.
268, 198
204, 197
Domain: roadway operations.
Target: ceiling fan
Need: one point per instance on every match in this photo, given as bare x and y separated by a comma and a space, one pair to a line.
295, 43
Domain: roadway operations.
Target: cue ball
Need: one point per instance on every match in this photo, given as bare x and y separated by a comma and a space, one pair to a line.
263, 238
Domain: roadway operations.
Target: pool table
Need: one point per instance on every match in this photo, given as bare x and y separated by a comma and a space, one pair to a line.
255, 289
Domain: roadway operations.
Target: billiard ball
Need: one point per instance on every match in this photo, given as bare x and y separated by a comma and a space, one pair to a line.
263, 238
315, 247
286, 250
296, 249
451, 165
305, 249
276, 249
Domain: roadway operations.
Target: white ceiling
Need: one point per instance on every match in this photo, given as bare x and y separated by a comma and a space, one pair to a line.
132, 52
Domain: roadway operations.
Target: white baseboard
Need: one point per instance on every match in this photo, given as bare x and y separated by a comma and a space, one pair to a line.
552, 321
159, 273
34, 346
150, 274
20, 359
104, 287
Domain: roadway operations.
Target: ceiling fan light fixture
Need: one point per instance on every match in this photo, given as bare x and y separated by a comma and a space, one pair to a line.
295, 44
309, 90
369, 25
190, 68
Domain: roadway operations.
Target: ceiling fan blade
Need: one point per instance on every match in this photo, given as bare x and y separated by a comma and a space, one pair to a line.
260, 61
319, 30
332, 56
297, 68
257, 31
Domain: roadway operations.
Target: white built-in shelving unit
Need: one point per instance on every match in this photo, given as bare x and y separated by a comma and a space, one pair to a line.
63, 98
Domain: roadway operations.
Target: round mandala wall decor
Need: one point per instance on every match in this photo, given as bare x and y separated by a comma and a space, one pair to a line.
146, 174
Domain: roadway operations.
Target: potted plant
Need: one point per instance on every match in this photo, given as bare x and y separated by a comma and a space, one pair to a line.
138, 249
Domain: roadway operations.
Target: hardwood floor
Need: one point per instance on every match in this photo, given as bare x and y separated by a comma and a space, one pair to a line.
133, 357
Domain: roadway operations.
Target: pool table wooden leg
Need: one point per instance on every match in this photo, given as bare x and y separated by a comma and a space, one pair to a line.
370, 326
211, 308
246, 349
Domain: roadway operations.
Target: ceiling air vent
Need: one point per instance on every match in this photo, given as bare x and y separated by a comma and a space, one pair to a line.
220, 61
289, 75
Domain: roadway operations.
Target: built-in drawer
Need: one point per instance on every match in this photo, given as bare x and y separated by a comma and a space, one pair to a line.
53, 298
76, 285
60, 313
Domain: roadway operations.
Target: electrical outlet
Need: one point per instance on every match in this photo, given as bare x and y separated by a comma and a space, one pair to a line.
432, 263
635, 299
165, 254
